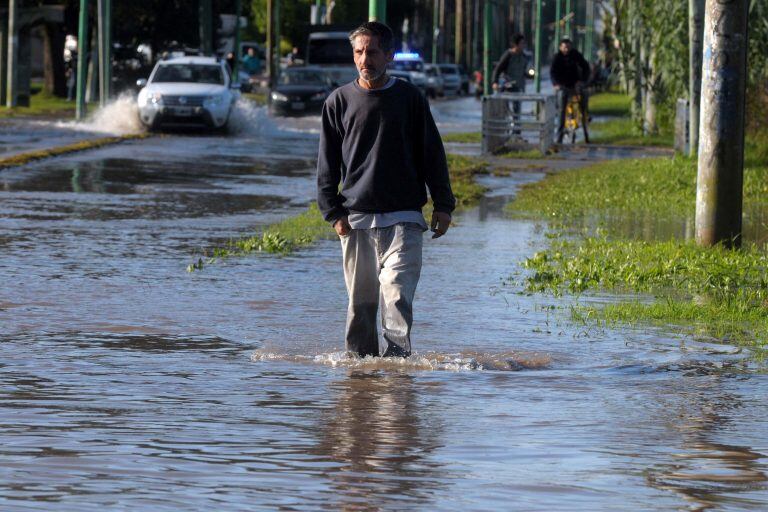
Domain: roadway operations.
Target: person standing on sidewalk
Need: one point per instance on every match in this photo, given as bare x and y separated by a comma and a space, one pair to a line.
379, 142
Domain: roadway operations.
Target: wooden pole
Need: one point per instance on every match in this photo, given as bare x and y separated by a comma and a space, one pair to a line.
82, 59
695, 34
459, 39
558, 21
107, 50
270, 42
719, 185
13, 54
205, 13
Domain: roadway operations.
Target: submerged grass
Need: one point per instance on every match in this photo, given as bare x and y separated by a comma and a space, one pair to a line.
29, 156
714, 291
304, 229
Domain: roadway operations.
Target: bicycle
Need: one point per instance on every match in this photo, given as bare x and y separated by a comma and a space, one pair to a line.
575, 117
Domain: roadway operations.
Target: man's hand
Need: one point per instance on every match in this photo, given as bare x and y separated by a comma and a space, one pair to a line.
342, 226
440, 223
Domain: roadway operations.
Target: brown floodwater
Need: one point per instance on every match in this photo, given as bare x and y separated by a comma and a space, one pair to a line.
127, 383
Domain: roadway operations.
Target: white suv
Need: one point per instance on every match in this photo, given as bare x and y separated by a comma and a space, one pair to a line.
187, 90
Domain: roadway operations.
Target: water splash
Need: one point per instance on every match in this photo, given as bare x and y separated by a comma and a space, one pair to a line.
118, 117
428, 361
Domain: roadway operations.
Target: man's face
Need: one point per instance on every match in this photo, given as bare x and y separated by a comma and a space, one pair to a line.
520, 46
371, 61
251, 52
565, 48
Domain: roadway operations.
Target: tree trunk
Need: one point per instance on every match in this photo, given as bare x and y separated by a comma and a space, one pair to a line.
54, 81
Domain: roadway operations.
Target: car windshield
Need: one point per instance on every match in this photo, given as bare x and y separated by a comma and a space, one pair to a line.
329, 51
189, 73
448, 70
408, 65
302, 77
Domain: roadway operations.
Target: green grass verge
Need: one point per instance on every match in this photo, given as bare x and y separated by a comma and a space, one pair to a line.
466, 137
304, 229
725, 291
614, 104
41, 104
30, 156
624, 132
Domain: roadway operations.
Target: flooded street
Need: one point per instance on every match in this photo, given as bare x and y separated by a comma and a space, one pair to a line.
130, 384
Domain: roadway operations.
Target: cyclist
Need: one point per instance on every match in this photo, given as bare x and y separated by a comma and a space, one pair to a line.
569, 73
510, 73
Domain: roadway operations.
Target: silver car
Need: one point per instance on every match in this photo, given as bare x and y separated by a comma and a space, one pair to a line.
187, 90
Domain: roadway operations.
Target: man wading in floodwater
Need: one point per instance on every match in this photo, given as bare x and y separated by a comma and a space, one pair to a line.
380, 142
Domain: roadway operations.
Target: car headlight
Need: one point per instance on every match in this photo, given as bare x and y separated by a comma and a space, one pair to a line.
214, 101
278, 96
155, 98
318, 96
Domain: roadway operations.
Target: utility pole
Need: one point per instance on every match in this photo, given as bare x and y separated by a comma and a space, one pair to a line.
3, 63
590, 31
205, 13
539, 47
435, 28
236, 66
695, 34
270, 40
459, 41
13, 53
719, 185
377, 10
558, 21
487, 28
82, 59
101, 44
568, 18
107, 50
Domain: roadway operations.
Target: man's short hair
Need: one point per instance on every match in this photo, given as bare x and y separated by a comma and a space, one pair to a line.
565, 40
517, 38
375, 28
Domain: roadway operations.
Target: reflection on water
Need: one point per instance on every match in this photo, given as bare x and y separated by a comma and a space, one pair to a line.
378, 435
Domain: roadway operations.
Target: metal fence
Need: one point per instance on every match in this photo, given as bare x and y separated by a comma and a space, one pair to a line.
518, 121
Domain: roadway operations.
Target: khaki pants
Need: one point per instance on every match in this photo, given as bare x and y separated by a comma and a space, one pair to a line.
381, 265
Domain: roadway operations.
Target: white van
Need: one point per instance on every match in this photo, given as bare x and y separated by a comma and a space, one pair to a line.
332, 52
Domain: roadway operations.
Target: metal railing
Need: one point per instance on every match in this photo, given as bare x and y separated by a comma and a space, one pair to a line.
518, 121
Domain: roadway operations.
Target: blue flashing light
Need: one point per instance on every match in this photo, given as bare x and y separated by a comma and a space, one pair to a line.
407, 56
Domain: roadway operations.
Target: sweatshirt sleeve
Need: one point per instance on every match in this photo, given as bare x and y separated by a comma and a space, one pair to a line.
329, 168
501, 67
435, 165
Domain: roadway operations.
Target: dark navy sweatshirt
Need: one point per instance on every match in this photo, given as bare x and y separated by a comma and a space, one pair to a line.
382, 145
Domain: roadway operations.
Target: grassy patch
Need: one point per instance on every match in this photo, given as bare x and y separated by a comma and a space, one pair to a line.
29, 156
41, 104
466, 137
614, 104
722, 293
624, 132
307, 227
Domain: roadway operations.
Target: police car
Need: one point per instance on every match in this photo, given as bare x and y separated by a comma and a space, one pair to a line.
413, 64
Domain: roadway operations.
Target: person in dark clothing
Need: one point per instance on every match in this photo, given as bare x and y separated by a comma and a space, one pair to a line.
509, 75
379, 142
569, 72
